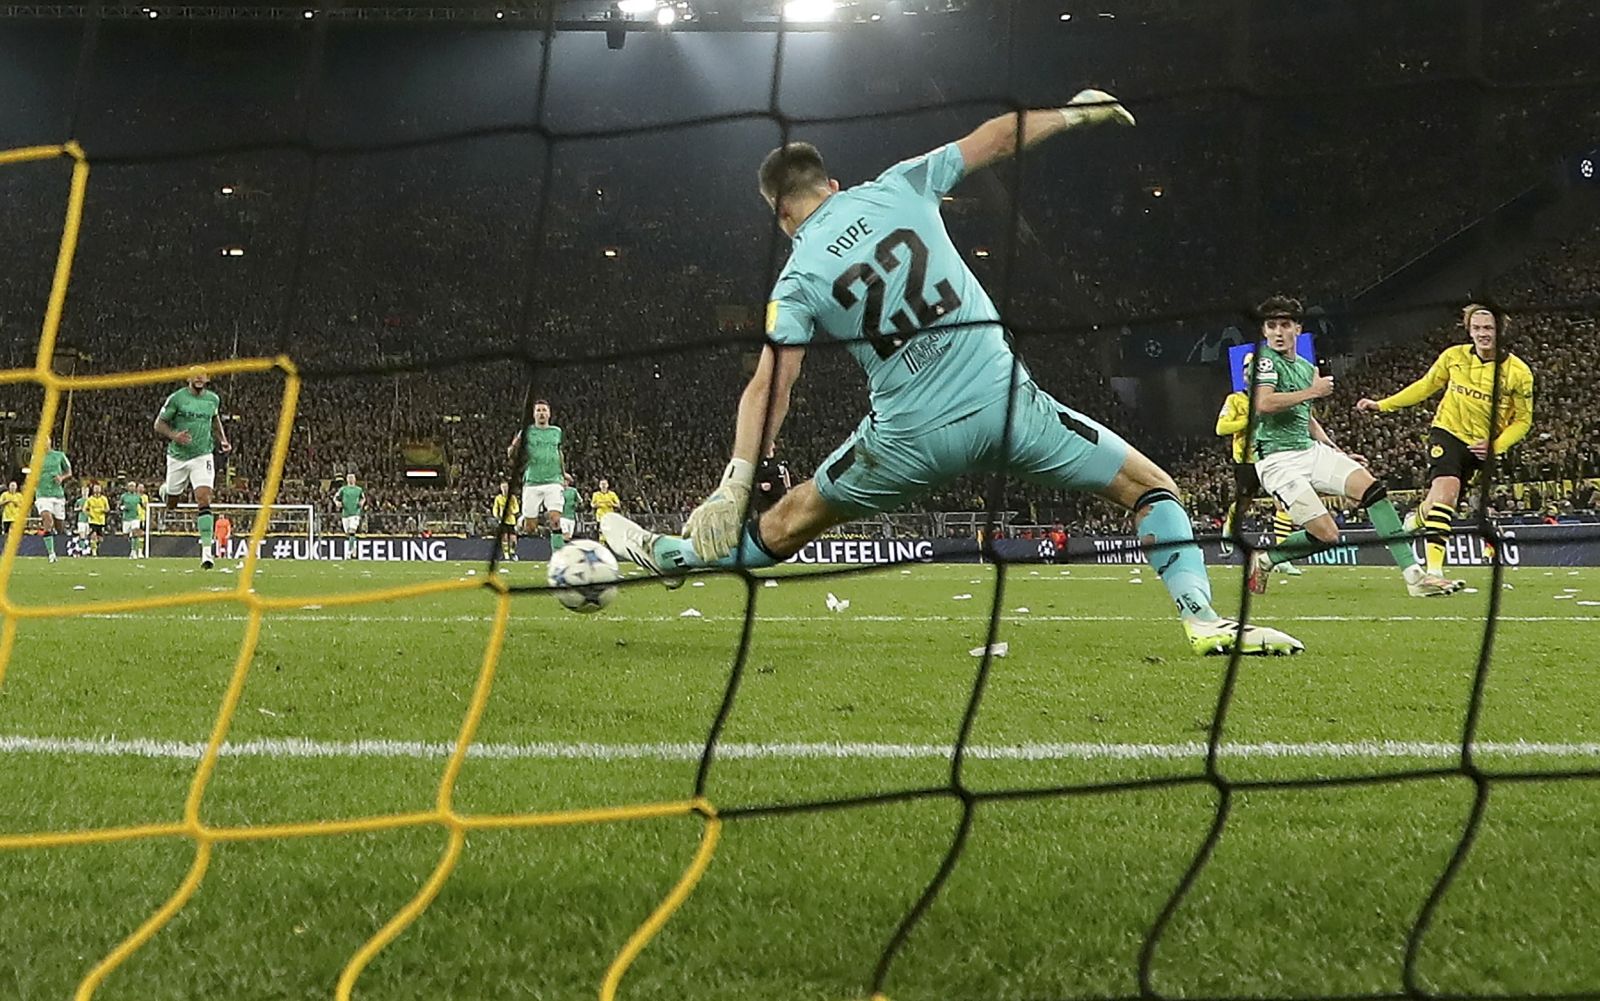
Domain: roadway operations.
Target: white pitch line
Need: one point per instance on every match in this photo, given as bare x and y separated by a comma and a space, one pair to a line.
299, 748
271, 617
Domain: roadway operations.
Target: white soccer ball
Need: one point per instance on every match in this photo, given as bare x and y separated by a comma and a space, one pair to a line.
585, 576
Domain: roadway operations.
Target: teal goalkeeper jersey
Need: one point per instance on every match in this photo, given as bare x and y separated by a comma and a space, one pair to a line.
873, 267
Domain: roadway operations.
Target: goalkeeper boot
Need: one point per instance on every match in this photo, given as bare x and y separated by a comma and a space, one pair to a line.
1260, 567
631, 542
1217, 638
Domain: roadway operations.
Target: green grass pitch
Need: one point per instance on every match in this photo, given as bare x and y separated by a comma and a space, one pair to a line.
346, 713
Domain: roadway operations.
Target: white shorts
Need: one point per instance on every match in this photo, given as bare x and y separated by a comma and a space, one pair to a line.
1294, 479
540, 497
351, 522
185, 473
55, 507
132, 527
569, 526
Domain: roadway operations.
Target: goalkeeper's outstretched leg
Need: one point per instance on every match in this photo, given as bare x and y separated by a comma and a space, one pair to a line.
1048, 443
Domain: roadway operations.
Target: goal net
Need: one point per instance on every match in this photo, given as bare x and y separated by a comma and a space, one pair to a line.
1314, 148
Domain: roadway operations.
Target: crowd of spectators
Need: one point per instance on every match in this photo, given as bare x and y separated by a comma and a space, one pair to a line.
623, 283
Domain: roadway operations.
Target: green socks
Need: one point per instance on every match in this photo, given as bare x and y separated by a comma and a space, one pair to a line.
1297, 545
50, 543
205, 521
1387, 521
556, 541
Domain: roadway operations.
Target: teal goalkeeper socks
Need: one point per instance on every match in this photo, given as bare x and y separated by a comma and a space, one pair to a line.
674, 552
1178, 561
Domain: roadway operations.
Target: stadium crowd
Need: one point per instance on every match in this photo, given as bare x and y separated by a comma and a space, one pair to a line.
633, 306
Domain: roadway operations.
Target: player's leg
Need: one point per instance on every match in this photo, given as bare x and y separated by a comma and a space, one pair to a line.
47, 527
1052, 444
1438, 517
201, 472
1282, 528
553, 519
1336, 472
1246, 488
95, 532
1451, 466
843, 488
530, 510
1287, 477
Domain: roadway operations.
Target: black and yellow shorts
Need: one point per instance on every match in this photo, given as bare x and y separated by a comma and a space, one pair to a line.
1450, 456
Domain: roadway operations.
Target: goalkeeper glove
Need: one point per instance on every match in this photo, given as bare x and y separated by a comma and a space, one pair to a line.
1095, 107
714, 528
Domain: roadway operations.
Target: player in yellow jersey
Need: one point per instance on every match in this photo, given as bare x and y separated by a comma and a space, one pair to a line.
604, 500
506, 524
1233, 422
1459, 440
96, 506
10, 509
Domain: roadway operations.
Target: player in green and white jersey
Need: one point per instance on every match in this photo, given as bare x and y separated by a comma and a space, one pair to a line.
874, 267
132, 502
50, 499
1297, 460
570, 502
542, 466
352, 500
191, 421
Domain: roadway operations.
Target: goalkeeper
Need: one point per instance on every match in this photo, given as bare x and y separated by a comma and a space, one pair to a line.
1458, 441
874, 267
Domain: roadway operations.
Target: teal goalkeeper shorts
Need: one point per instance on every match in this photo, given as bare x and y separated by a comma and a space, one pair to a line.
1050, 444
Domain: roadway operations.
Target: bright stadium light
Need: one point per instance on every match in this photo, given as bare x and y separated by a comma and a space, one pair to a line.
808, 10
611, 253
665, 16
637, 6
226, 189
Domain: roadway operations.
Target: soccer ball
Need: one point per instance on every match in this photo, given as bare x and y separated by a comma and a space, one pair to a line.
585, 576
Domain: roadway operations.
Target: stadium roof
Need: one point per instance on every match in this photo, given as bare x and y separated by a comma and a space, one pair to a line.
693, 15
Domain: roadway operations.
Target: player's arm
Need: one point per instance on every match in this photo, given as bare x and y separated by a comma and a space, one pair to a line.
1005, 135
221, 434
1233, 418
1521, 418
1270, 401
1435, 379
716, 525
164, 426
66, 470
511, 449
